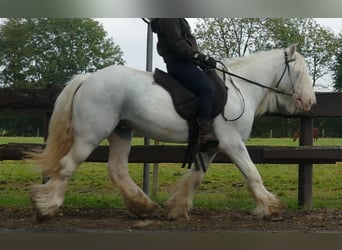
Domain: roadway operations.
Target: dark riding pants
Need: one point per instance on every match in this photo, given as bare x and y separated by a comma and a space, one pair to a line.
194, 79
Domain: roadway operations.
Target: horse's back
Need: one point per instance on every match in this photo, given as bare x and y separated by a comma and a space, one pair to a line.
125, 91
117, 74
114, 81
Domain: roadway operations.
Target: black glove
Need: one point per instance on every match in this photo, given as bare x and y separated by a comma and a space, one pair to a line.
205, 61
210, 62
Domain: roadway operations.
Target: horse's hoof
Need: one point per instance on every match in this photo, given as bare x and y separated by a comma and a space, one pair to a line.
143, 212
42, 218
274, 217
172, 217
177, 213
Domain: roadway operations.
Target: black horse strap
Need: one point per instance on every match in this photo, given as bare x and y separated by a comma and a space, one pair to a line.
193, 150
287, 67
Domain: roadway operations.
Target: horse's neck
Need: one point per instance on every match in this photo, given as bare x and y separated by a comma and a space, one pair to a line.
259, 68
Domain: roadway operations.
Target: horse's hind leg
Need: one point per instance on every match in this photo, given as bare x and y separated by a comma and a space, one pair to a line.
48, 197
135, 199
180, 202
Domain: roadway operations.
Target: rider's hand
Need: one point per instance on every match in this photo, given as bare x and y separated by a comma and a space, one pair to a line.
210, 62
205, 61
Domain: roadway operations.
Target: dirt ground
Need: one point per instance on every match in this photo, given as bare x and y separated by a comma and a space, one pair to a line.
201, 220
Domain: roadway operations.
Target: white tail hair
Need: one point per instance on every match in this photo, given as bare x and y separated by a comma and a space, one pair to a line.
60, 138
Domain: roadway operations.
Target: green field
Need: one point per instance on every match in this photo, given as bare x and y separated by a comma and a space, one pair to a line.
222, 188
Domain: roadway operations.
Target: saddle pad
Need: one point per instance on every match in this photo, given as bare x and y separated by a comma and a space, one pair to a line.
185, 101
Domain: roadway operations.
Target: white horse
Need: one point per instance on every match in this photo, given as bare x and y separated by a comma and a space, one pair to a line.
116, 100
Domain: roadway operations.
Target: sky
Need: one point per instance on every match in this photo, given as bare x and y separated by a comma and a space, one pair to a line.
131, 35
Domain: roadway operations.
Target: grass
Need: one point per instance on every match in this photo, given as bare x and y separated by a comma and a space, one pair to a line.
222, 188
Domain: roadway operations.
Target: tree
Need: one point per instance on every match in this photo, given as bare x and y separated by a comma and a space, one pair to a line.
41, 51
338, 67
231, 37
316, 43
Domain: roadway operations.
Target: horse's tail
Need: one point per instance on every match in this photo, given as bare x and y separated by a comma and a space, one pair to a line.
60, 138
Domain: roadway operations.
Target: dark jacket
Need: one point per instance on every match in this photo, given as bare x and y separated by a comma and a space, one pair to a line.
174, 38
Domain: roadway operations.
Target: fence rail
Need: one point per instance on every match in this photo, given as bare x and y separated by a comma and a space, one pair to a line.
42, 101
176, 154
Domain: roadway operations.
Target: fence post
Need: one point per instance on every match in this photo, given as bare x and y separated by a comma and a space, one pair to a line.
149, 52
47, 116
155, 177
305, 170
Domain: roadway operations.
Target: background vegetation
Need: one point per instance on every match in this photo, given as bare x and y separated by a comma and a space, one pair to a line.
46, 52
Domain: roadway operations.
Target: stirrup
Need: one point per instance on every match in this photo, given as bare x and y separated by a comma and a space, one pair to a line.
206, 146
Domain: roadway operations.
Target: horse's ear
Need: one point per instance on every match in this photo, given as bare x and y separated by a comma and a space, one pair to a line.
292, 49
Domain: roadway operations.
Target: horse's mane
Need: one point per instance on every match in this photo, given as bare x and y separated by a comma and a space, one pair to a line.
269, 104
238, 62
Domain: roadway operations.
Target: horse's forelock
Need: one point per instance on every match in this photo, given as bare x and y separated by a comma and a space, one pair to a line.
303, 84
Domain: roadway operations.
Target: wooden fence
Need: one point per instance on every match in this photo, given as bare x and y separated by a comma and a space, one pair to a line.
42, 101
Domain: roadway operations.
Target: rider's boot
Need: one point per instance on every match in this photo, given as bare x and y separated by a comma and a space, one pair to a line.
206, 137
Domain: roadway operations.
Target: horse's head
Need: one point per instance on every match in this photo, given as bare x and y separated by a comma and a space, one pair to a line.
296, 81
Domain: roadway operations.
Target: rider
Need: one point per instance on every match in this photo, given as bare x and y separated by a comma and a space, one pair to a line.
179, 49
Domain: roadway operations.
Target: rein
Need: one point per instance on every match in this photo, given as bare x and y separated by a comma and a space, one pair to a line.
276, 90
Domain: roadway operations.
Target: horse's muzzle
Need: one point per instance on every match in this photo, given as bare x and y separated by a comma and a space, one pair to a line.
304, 104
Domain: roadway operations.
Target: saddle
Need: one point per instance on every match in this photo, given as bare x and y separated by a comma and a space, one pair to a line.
185, 103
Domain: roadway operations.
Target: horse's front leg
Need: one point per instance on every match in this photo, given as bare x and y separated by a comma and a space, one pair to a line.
267, 204
179, 204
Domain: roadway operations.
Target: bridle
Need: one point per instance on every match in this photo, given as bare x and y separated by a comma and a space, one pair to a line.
287, 67
275, 89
